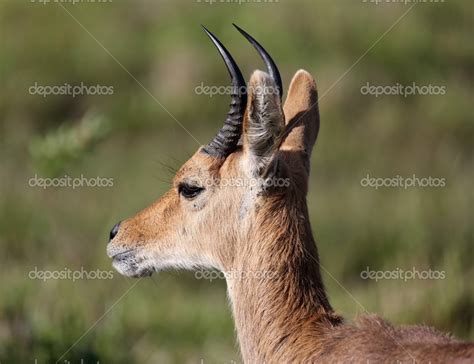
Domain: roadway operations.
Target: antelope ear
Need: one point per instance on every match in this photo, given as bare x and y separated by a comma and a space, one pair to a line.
302, 117
263, 123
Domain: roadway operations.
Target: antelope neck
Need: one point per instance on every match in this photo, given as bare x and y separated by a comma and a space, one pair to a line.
277, 294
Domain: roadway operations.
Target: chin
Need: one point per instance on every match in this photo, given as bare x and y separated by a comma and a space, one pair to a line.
130, 267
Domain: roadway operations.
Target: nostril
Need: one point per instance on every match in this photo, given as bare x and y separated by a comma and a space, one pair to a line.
114, 231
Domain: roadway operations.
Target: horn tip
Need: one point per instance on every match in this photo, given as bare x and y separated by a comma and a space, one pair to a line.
240, 29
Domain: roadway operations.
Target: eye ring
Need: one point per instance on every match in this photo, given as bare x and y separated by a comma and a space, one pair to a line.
189, 191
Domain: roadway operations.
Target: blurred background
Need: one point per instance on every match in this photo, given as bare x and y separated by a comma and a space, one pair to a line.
153, 55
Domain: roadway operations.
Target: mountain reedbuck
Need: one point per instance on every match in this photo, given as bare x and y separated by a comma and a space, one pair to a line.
239, 206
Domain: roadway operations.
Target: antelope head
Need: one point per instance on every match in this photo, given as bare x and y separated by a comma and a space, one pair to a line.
237, 191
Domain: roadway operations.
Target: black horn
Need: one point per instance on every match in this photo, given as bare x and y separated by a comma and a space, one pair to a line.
227, 138
271, 66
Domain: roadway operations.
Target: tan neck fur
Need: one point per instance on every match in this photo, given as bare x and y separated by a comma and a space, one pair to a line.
279, 299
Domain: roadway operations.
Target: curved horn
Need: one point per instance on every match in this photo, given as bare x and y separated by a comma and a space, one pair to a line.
227, 138
271, 66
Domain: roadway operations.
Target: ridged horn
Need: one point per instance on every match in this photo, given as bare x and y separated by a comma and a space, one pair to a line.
271, 66
227, 138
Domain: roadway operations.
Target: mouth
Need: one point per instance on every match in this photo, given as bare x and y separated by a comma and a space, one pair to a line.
121, 255
127, 263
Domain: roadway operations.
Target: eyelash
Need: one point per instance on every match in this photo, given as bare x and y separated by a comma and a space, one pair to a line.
188, 191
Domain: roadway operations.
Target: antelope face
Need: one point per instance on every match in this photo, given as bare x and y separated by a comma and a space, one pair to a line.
185, 227
218, 194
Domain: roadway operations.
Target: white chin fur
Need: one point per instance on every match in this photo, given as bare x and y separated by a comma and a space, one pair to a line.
131, 268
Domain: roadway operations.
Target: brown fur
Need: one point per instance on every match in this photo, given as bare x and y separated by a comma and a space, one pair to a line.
284, 315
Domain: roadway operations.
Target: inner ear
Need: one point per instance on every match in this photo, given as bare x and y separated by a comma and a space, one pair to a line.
263, 122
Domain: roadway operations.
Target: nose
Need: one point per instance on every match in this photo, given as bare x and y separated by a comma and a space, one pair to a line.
114, 231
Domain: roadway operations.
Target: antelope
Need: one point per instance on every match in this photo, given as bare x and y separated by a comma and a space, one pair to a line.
263, 226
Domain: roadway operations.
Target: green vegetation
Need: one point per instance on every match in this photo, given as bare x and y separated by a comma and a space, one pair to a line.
130, 137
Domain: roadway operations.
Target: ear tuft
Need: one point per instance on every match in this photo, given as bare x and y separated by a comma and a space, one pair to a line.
264, 120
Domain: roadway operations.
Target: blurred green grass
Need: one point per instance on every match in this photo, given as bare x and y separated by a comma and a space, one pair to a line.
129, 137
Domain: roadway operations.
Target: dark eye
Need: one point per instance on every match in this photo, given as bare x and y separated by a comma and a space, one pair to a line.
189, 191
